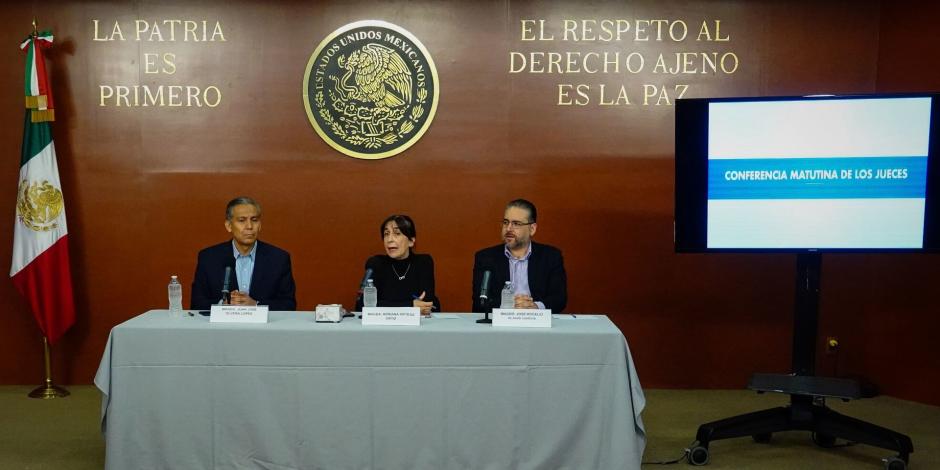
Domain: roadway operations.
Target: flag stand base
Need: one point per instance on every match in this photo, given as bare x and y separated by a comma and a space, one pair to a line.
48, 391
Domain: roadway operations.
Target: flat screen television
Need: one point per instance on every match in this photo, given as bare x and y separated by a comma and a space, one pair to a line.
808, 174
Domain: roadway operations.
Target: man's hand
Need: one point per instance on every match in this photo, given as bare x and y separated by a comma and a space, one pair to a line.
240, 298
524, 301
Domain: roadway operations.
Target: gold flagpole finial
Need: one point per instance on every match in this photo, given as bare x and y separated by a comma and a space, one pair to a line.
35, 27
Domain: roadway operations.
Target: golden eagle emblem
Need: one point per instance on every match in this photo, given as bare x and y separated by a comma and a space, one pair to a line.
38, 205
370, 89
381, 77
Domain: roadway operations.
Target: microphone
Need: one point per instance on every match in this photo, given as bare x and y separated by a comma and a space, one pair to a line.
226, 285
366, 277
362, 285
484, 287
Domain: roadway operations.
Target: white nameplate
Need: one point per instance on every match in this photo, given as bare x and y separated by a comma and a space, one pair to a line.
522, 317
238, 314
397, 316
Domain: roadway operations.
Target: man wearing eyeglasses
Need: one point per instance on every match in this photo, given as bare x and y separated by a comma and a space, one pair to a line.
536, 271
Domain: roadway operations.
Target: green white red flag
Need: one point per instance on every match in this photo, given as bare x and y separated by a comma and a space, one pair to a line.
40, 268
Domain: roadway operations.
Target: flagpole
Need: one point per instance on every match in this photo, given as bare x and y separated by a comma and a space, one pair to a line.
48, 390
40, 270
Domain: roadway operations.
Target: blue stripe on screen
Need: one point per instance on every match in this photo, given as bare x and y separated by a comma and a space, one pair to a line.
722, 185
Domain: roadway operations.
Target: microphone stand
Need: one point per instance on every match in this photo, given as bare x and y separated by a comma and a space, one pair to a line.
358, 298
486, 314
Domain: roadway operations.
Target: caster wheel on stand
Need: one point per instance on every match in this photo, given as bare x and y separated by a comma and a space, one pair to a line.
698, 454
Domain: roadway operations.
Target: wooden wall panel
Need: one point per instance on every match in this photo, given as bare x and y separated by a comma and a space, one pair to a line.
145, 187
882, 306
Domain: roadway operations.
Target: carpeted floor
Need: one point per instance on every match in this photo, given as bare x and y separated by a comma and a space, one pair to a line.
672, 418
64, 434
59, 434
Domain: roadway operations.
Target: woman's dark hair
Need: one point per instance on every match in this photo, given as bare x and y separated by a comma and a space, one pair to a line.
404, 223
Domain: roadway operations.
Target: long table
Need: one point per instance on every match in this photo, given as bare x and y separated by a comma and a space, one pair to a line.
183, 393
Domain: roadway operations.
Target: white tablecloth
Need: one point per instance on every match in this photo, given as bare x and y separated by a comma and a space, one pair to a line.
295, 394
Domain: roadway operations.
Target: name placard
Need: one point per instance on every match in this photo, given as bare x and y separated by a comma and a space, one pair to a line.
522, 317
394, 316
238, 314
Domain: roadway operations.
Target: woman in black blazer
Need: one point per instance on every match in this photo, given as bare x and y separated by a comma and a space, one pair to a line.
402, 277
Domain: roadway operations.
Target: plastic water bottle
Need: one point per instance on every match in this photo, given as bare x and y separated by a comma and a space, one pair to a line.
507, 297
175, 292
370, 295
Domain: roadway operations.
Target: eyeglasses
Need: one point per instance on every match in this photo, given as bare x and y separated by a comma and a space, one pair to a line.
515, 223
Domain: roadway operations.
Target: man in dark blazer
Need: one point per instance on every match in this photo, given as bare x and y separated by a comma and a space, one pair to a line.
260, 273
537, 271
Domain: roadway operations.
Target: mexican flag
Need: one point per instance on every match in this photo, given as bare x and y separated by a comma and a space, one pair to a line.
40, 268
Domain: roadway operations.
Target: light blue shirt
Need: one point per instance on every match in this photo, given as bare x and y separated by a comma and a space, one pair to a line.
244, 266
519, 273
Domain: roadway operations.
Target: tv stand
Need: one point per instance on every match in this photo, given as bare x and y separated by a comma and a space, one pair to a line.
807, 410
